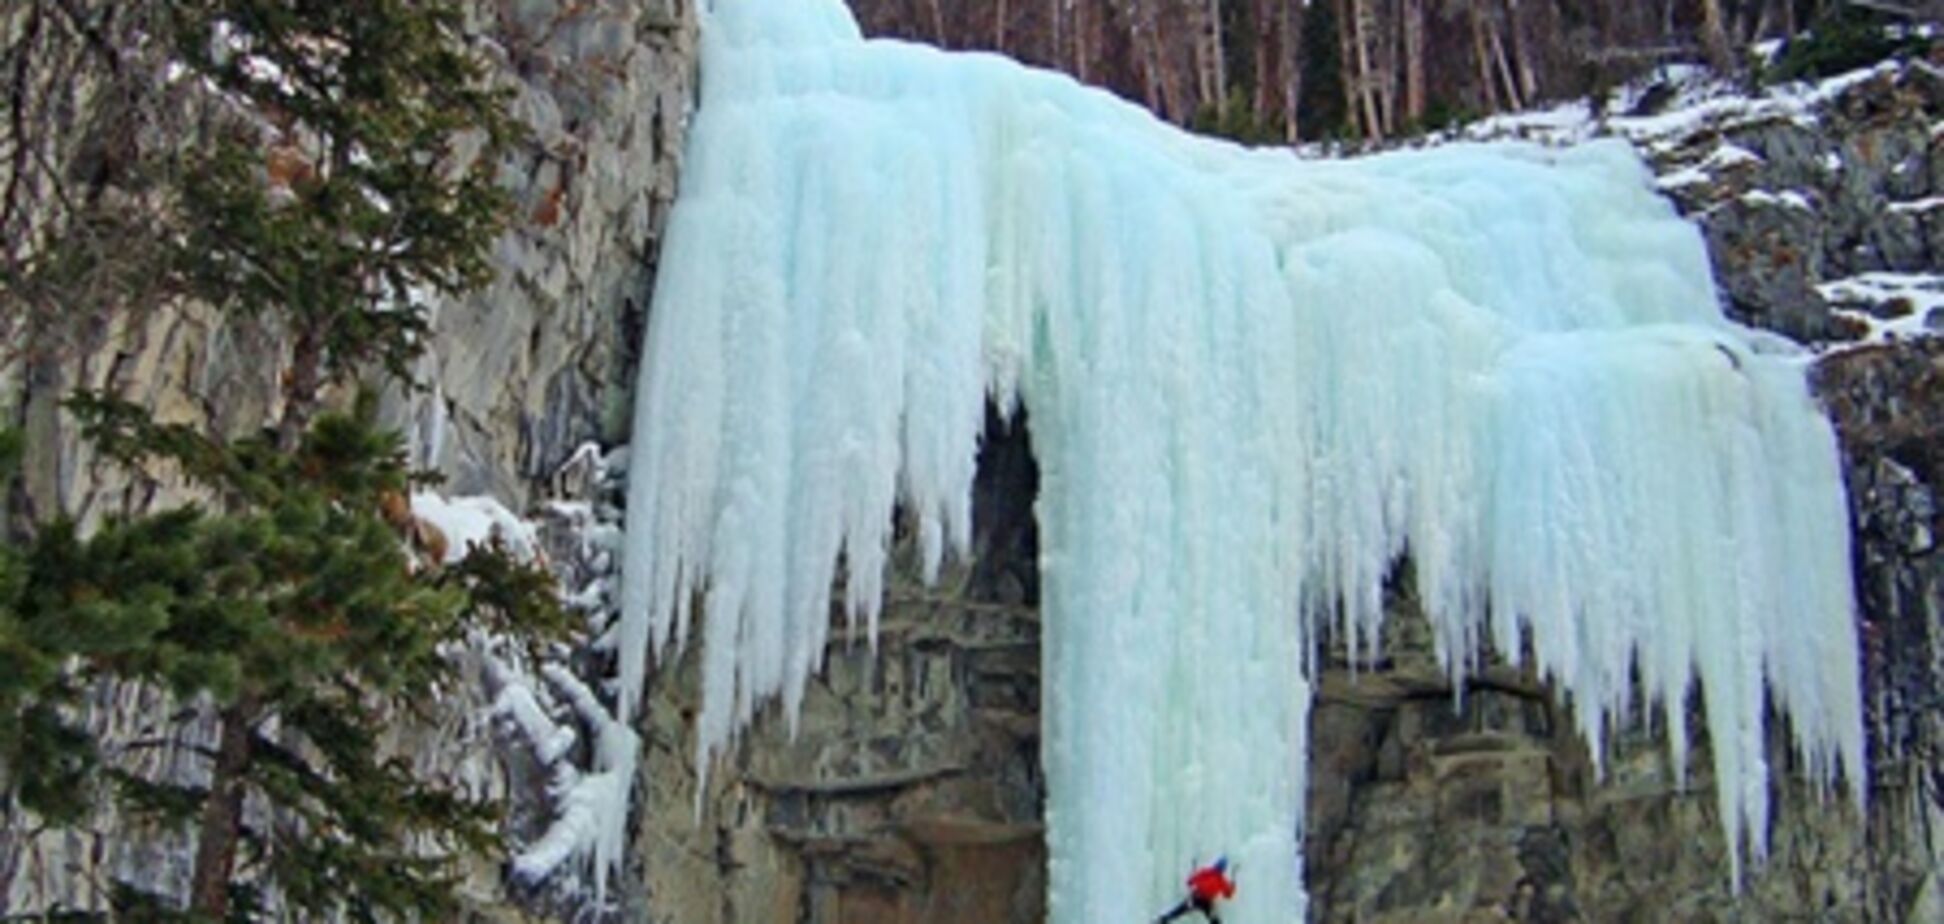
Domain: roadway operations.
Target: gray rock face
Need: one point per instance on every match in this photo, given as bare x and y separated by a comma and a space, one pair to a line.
1421, 810
911, 790
1888, 403
1848, 191
537, 363
1767, 280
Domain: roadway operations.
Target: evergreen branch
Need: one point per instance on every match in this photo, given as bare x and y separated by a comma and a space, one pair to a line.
124, 432
165, 802
293, 765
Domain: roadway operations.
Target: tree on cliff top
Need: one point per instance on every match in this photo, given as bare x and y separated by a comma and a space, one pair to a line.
339, 172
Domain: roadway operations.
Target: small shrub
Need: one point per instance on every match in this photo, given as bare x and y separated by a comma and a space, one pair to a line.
1236, 120
1846, 39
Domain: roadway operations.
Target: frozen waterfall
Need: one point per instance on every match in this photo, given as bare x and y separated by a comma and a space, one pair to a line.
1255, 384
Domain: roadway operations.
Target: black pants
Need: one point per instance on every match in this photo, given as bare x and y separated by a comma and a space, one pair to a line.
1191, 903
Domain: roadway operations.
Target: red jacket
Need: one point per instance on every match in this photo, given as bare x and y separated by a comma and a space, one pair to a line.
1209, 883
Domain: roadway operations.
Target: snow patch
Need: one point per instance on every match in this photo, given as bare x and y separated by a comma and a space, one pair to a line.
1725, 156
1728, 154
589, 804
475, 521
588, 825
1788, 198
1698, 102
1917, 206
1897, 306
1565, 123
517, 704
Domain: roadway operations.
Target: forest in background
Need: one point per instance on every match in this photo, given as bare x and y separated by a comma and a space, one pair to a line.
1307, 70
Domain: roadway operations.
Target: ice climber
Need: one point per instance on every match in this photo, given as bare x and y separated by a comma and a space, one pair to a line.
1206, 886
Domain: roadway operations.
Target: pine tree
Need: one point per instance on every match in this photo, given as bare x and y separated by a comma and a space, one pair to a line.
346, 177
293, 603
359, 179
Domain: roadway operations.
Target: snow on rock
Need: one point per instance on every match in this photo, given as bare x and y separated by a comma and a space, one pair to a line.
1697, 102
1788, 198
587, 804
549, 709
543, 711
1254, 384
585, 754
1568, 122
1725, 156
1787, 226
1918, 206
1888, 306
517, 704
467, 522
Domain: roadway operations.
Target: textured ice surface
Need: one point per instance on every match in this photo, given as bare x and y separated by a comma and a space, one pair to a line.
1254, 384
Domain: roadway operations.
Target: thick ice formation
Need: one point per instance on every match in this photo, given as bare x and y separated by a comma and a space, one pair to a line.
1255, 384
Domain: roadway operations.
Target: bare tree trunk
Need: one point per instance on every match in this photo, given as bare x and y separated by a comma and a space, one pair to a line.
1218, 52
1516, 21
1293, 20
937, 22
1268, 54
1413, 60
222, 820
1346, 61
1082, 38
1211, 70
999, 23
1482, 55
1714, 38
1350, 71
1347, 72
1366, 80
1768, 21
1177, 104
1056, 24
1384, 70
1146, 57
1512, 97
301, 385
